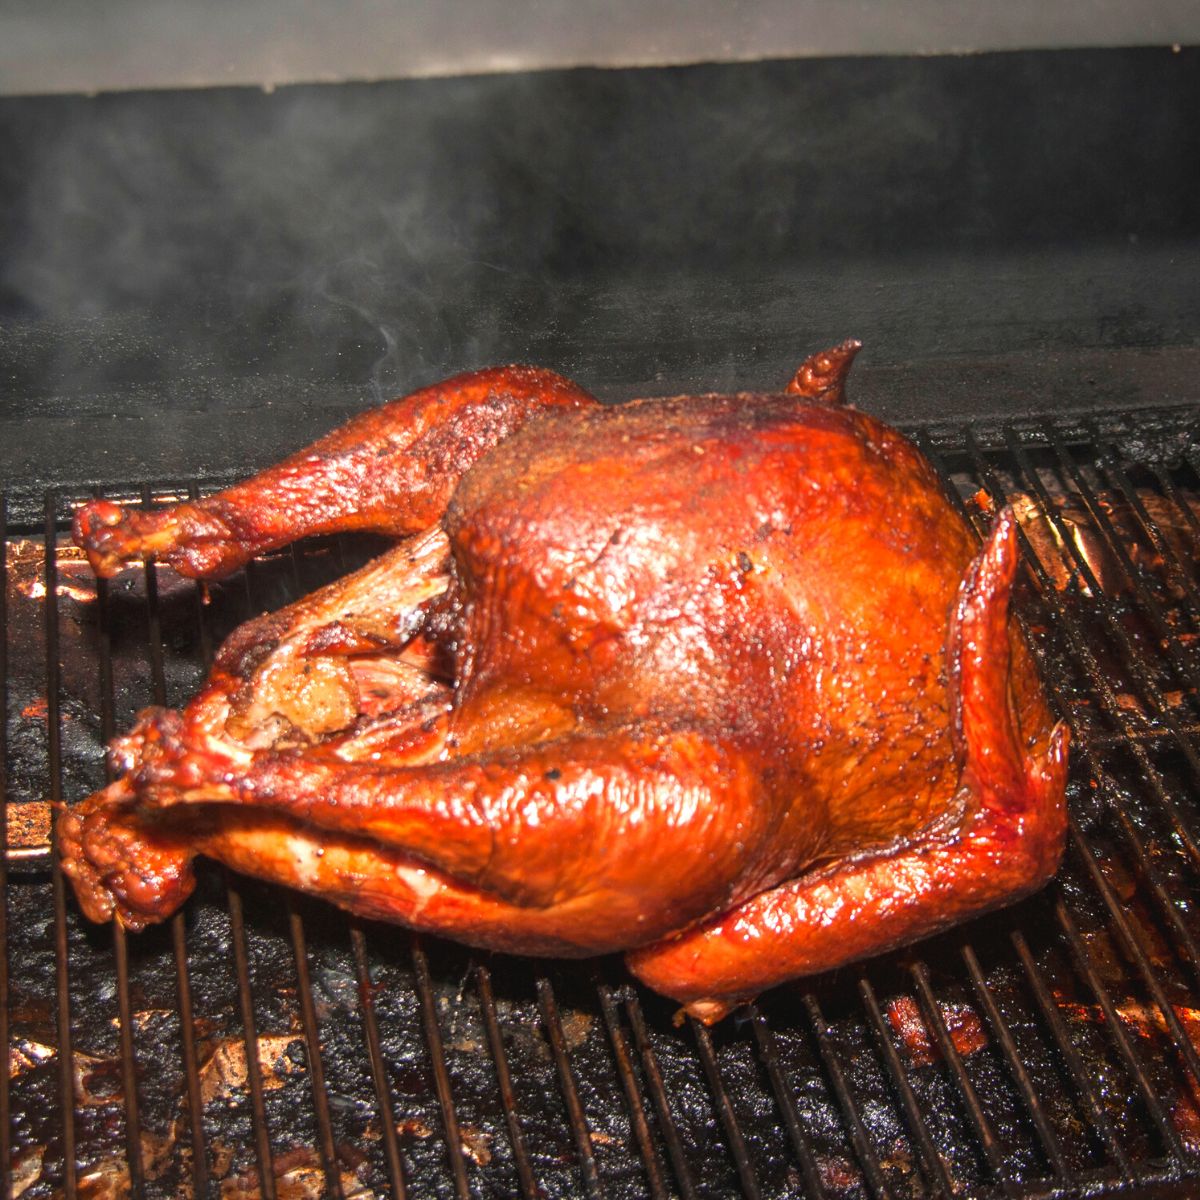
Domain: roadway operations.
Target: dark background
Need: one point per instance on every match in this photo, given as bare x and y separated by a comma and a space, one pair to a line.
195, 282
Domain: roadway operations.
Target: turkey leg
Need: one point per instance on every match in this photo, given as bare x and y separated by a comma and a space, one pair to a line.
1008, 845
390, 470
627, 834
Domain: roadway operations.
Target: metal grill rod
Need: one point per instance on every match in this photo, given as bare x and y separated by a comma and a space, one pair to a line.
725, 1111
680, 1166
383, 1098
785, 1101
264, 1157
187, 1029
1180, 572
133, 1139
5, 1023
1184, 665
366, 999
988, 1141
1077, 638
1168, 486
570, 1089
633, 1099
867, 1157
1070, 1055
1012, 1057
1151, 876
1130, 1057
1079, 644
178, 927
933, 1165
66, 1071
258, 1108
308, 1015
312, 1046
1182, 934
1133, 948
491, 1023
441, 1078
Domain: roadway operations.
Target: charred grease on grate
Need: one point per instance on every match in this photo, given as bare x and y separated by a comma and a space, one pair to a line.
1050, 1048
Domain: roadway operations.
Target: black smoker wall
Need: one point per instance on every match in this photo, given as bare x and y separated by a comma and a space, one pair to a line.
193, 281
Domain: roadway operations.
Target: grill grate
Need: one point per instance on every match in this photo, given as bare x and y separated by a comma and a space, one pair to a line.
264, 1044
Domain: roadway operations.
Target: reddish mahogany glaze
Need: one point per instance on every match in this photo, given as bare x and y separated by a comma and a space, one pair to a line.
718, 680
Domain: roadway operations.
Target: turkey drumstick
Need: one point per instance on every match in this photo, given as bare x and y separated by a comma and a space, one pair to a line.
388, 471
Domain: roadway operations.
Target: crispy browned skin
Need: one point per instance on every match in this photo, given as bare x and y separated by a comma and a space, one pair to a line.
391, 471
719, 680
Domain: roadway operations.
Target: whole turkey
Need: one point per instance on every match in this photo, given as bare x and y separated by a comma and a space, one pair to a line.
721, 681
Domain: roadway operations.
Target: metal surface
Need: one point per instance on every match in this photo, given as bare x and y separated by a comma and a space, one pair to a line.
265, 1044
125, 44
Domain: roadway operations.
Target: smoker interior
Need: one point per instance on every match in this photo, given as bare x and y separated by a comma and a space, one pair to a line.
195, 283
265, 1044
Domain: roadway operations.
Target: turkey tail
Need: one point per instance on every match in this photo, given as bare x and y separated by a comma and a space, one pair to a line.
822, 376
997, 771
